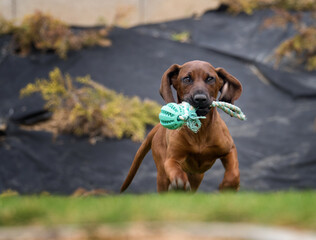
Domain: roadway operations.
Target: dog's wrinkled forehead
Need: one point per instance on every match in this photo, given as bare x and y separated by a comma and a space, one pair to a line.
197, 69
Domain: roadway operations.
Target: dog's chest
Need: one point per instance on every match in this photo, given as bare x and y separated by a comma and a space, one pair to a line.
202, 157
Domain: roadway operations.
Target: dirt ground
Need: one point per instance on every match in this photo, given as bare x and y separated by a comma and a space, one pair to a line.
155, 231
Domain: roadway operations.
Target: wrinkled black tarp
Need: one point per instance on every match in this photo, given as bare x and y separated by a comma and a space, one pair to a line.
276, 145
243, 37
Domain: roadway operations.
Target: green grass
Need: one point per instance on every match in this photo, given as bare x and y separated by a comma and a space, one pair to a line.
294, 209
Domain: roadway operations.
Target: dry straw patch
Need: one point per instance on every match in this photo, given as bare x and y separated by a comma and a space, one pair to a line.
91, 109
299, 49
43, 32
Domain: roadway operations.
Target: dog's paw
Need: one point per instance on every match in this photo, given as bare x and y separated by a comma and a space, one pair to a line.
179, 184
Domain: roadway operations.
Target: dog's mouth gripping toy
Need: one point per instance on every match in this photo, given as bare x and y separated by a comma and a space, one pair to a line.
174, 116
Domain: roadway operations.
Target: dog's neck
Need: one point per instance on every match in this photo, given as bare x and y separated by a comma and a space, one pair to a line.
207, 125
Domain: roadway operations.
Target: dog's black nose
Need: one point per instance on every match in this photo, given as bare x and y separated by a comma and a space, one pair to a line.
200, 99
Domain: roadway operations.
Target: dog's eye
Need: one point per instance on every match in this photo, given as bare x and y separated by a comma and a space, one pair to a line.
187, 80
210, 80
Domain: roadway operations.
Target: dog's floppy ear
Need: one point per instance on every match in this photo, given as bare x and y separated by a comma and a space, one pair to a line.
231, 89
166, 81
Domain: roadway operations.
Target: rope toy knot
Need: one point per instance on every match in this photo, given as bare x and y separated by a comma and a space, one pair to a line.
174, 116
230, 109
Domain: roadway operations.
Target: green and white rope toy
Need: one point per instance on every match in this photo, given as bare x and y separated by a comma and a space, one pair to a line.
174, 116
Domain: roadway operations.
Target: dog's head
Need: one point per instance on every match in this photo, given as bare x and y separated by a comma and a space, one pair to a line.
198, 83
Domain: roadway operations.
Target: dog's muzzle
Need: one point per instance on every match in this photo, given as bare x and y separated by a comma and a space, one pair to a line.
201, 103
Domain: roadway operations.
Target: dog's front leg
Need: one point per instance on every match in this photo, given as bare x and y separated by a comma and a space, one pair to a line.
178, 178
231, 177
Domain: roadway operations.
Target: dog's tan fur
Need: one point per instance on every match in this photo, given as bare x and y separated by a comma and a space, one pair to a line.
181, 156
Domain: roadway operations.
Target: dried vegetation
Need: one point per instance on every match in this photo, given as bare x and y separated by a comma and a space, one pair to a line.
44, 33
85, 108
299, 49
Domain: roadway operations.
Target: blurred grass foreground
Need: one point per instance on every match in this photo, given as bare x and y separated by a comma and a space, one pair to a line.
292, 209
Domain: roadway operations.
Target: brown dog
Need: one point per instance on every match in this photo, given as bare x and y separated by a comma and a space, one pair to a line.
182, 156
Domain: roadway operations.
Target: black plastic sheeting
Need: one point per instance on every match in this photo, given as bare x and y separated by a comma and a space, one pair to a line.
243, 37
276, 145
